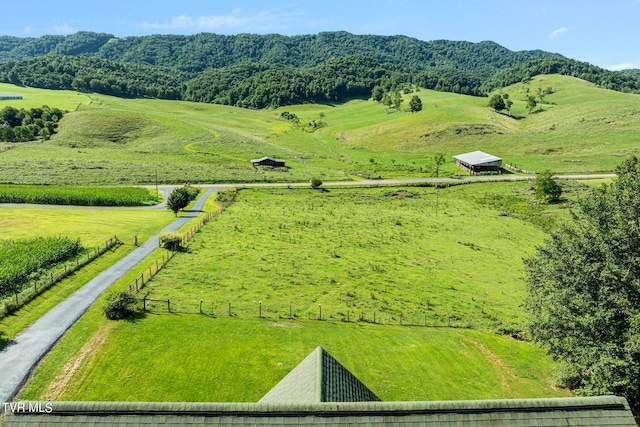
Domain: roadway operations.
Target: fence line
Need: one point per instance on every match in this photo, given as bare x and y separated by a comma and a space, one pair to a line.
147, 274
517, 169
291, 312
30, 291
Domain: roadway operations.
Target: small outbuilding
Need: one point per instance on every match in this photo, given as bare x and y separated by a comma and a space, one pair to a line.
268, 161
9, 96
478, 162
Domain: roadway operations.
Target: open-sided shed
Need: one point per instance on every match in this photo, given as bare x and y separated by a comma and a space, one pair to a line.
478, 161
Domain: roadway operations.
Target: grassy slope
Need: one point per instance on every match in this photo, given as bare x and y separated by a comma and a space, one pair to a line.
109, 140
197, 357
376, 250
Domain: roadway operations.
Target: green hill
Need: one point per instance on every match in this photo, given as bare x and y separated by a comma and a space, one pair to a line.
198, 52
579, 128
258, 71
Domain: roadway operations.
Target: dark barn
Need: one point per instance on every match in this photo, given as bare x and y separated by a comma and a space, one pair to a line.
268, 161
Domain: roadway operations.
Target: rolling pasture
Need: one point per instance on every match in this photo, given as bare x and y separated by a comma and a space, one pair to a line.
578, 128
413, 285
381, 250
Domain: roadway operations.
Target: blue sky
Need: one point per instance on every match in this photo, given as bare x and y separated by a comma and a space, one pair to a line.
604, 33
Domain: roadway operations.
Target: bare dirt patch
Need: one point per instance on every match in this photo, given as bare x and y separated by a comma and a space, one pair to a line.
61, 382
504, 372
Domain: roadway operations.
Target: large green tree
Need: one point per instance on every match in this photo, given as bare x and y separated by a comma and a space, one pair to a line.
547, 187
584, 291
415, 104
497, 102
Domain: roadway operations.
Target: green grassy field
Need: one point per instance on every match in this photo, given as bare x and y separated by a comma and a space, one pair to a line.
359, 252
93, 226
379, 250
197, 358
105, 140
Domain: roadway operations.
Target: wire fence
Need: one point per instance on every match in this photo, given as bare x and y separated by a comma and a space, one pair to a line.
299, 312
35, 287
147, 274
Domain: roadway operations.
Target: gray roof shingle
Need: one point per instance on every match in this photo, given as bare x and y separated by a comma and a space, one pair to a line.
319, 378
586, 411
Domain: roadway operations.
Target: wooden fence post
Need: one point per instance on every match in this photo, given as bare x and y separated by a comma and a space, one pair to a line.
169, 305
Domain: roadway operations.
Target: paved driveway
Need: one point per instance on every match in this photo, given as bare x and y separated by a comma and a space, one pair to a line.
21, 355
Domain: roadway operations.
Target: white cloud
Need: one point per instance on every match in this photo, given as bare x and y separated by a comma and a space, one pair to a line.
557, 32
236, 19
623, 66
64, 29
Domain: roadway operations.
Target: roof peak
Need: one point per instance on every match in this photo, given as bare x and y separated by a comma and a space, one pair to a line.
319, 378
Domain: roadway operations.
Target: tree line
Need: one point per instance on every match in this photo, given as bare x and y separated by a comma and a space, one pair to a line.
198, 52
20, 125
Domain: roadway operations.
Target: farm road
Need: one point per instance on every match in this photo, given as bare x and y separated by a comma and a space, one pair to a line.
21, 355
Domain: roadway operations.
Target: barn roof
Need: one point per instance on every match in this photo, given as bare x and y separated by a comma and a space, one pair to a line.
477, 158
262, 159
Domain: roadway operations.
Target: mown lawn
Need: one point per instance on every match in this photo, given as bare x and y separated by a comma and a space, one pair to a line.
198, 358
93, 227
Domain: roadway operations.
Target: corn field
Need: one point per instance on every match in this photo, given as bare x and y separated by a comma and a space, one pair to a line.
19, 260
81, 196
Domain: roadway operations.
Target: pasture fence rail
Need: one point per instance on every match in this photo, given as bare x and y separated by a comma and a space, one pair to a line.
147, 274
322, 312
31, 290
517, 169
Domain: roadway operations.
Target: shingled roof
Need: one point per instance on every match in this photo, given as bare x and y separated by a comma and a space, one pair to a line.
577, 412
319, 378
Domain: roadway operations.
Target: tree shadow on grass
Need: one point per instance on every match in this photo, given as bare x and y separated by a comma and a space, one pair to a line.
135, 317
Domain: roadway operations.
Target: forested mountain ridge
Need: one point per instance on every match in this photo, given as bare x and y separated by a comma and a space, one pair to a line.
257, 71
195, 53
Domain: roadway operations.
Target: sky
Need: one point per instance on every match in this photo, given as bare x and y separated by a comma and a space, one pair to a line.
603, 33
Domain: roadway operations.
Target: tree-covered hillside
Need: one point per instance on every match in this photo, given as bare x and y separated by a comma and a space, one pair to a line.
257, 71
195, 53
